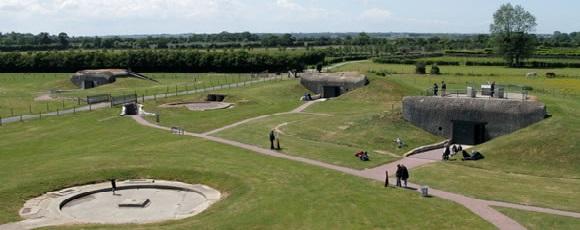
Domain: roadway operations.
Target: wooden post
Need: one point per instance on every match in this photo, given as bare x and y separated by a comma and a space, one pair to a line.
30, 108
0, 120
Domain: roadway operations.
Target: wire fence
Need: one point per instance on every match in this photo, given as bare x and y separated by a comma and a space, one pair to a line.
73, 105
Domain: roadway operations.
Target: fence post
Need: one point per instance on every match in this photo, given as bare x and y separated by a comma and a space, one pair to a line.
20, 117
30, 108
0, 120
11, 112
57, 112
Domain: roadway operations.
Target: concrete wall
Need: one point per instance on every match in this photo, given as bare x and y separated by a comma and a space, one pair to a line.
346, 81
501, 115
99, 79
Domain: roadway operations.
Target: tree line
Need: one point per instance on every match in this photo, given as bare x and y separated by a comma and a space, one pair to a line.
159, 61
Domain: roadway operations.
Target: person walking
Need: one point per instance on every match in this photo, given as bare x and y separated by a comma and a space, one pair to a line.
435, 89
404, 174
398, 175
386, 178
113, 186
443, 89
272, 138
492, 88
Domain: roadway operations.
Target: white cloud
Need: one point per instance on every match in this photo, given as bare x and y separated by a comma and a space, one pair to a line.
375, 15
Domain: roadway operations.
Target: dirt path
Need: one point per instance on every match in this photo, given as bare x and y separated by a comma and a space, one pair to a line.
482, 208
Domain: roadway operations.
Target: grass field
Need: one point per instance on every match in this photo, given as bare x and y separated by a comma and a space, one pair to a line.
536, 165
468, 71
343, 126
251, 101
19, 92
463, 60
261, 192
534, 220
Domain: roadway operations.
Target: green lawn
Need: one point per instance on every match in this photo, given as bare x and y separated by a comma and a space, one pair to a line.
535, 220
353, 122
250, 101
261, 192
550, 192
19, 92
457, 70
536, 165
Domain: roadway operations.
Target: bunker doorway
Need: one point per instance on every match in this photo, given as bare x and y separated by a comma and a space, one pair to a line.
469, 132
88, 84
330, 91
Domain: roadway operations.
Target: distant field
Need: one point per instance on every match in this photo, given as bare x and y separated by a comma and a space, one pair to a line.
489, 71
463, 60
22, 93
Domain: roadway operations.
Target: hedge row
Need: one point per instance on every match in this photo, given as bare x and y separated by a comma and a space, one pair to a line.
158, 61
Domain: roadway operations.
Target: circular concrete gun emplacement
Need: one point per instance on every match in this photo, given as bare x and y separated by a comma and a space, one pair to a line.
135, 201
199, 106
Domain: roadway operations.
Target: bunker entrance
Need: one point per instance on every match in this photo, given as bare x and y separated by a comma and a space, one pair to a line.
89, 84
330, 91
468, 132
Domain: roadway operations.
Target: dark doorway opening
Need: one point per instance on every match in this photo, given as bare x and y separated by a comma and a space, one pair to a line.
469, 132
330, 91
89, 84
131, 109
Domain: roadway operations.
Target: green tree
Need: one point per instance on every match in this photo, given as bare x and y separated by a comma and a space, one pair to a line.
510, 29
63, 40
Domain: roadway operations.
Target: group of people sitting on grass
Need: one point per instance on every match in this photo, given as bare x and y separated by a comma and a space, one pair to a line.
363, 156
450, 152
399, 142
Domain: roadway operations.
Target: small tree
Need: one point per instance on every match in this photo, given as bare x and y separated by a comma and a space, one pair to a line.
420, 68
510, 29
435, 69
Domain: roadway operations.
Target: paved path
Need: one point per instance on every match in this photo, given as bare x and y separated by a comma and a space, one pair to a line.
482, 208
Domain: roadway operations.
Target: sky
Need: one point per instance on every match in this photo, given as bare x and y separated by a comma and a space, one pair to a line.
130, 17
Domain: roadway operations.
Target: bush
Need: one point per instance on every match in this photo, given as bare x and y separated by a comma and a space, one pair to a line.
435, 69
420, 68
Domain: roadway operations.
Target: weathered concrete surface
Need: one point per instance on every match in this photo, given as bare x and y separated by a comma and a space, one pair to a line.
95, 203
501, 115
315, 82
99, 77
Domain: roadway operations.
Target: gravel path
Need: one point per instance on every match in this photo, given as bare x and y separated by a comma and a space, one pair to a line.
482, 208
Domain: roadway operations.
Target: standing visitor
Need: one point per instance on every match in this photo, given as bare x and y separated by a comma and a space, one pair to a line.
272, 138
404, 174
113, 186
398, 175
277, 135
492, 88
435, 89
386, 178
443, 88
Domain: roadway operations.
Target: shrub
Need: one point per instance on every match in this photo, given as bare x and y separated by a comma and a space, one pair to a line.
435, 69
420, 68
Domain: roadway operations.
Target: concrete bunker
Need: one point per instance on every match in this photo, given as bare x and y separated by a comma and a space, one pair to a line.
471, 121
330, 85
136, 202
87, 79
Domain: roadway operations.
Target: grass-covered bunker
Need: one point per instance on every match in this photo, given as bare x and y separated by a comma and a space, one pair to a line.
471, 120
86, 79
333, 84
